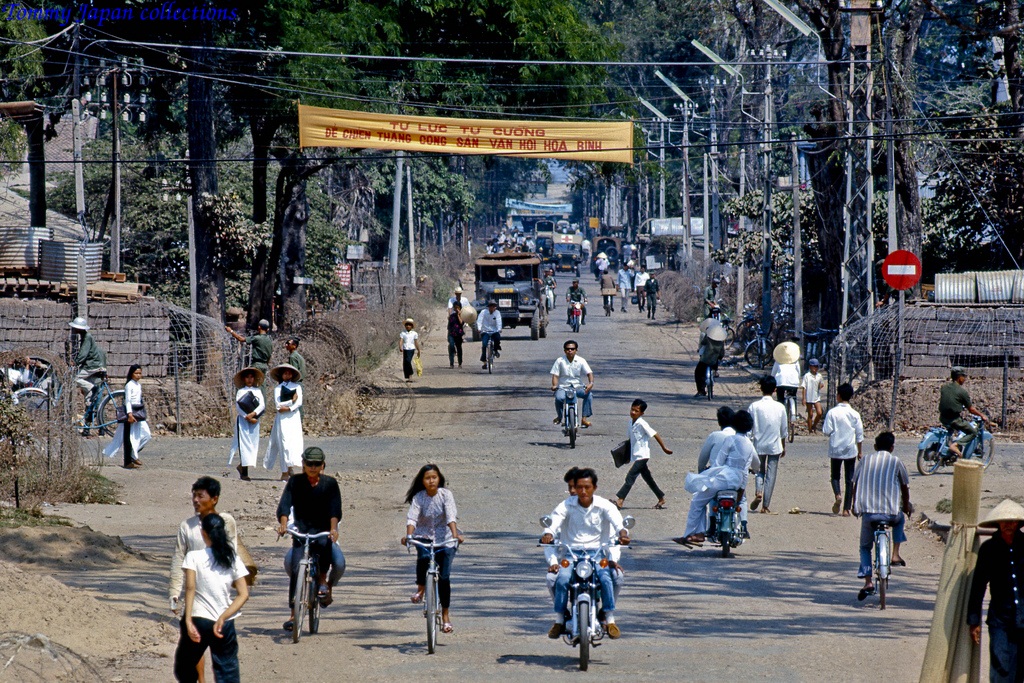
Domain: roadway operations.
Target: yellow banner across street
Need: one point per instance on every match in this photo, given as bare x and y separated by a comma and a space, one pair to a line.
583, 141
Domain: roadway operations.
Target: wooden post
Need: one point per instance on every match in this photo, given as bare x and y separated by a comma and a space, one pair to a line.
1006, 386
898, 361
177, 386
967, 477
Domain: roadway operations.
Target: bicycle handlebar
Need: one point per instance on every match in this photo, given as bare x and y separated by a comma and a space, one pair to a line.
411, 540
298, 534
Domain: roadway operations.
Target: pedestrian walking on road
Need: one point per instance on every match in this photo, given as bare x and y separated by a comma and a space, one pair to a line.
640, 284
410, 342
433, 516
133, 433
608, 291
640, 435
845, 431
653, 291
625, 281
811, 387
249, 408
769, 437
1000, 569
205, 496
456, 334
286, 441
208, 623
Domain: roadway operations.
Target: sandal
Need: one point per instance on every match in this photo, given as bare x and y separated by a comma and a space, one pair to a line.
447, 627
288, 625
660, 505
416, 597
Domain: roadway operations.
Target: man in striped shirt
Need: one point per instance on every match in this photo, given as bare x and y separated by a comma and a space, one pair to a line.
881, 493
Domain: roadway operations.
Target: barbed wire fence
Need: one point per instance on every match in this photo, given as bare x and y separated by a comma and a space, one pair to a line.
987, 340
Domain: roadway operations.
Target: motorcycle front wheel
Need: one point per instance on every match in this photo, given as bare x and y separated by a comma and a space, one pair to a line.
583, 628
928, 459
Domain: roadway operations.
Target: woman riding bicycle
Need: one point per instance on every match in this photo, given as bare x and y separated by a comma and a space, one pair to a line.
432, 515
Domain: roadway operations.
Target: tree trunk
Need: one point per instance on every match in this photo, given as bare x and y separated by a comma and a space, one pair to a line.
202, 145
294, 217
1011, 62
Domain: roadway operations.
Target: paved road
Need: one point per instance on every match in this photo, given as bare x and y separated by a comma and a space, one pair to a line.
783, 609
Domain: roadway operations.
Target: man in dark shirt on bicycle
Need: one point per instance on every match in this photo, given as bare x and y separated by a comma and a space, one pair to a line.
314, 501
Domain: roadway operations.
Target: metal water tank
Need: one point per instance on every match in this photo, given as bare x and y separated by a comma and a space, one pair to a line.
58, 261
955, 288
995, 286
19, 247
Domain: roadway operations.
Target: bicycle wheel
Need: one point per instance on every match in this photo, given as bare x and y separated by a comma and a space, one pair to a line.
314, 604
490, 356
710, 383
34, 401
791, 411
430, 603
105, 417
988, 450
583, 628
752, 354
928, 459
301, 600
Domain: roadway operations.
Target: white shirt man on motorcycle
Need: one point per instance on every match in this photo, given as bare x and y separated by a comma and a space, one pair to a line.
566, 376
589, 521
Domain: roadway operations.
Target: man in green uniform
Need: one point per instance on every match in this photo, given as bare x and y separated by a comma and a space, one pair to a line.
91, 362
953, 400
711, 296
295, 359
262, 346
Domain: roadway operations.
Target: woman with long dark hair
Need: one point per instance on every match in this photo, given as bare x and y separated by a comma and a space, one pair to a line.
432, 516
133, 433
209, 610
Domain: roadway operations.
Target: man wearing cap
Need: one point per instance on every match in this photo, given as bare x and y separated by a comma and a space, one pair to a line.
573, 295
1000, 569
712, 351
488, 323
953, 400
457, 298
313, 499
91, 362
881, 494
711, 296
261, 345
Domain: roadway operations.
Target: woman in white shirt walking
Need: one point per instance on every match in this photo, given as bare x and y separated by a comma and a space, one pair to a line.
433, 516
133, 434
410, 340
249, 407
286, 441
209, 610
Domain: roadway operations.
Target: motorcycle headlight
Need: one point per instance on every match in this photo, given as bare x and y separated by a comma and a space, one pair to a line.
584, 569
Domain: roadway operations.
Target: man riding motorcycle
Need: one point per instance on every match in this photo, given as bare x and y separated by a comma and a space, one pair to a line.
953, 400
573, 295
550, 285
587, 520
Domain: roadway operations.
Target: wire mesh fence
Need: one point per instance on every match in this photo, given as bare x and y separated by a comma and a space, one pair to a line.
988, 341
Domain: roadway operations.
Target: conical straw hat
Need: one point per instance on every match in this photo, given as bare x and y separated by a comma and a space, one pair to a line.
717, 333
786, 352
1007, 511
706, 323
239, 378
275, 373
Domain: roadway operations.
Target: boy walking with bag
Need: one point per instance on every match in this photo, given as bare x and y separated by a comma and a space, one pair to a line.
640, 434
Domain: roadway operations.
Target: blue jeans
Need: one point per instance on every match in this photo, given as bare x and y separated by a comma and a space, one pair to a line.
1006, 654
486, 337
867, 537
587, 396
604, 575
223, 651
444, 559
333, 555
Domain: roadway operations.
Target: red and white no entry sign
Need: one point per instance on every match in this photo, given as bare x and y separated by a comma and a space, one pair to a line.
901, 269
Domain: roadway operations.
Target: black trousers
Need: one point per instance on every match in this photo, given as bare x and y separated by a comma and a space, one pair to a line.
639, 469
223, 651
129, 452
845, 464
454, 349
701, 378
407, 355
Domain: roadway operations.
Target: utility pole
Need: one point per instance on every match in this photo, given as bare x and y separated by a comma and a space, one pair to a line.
766, 229
396, 212
707, 236
798, 288
890, 150
741, 267
687, 211
76, 141
115, 230
716, 223
412, 231
661, 180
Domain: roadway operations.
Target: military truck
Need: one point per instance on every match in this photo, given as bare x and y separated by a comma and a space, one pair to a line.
514, 280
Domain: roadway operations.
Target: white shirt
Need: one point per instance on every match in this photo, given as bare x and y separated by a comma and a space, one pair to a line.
813, 384
585, 246
409, 338
132, 395
787, 375
711, 446
640, 279
189, 538
213, 583
640, 435
589, 527
462, 300
489, 322
736, 452
844, 430
770, 426
570, 373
